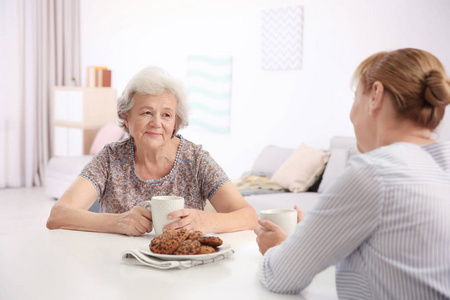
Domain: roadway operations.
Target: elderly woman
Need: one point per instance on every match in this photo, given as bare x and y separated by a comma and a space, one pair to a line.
153, 161
385, 219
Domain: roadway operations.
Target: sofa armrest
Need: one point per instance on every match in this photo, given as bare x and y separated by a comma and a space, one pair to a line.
342, 142
62, 171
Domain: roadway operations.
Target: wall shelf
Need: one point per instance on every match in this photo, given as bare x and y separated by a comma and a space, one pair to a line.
78, 113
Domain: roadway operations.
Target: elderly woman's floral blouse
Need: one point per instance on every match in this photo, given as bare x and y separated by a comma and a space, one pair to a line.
195, 175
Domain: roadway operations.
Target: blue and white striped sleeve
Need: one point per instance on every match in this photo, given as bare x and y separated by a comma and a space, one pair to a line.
345, 216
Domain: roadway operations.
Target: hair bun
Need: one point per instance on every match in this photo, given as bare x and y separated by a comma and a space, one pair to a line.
437, 89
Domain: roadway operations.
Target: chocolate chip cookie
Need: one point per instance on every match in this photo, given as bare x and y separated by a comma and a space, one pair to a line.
205, 249
195, 235
212, 241
165, 243
188, 247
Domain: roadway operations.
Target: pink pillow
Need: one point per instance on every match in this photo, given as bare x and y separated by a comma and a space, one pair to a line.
107, 134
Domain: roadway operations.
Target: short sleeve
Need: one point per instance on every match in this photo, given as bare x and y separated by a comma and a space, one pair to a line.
97, 170
210, 175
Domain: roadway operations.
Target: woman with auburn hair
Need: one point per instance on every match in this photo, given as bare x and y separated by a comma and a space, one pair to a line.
385, 220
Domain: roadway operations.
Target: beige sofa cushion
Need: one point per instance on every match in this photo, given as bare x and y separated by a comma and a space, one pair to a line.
301, 169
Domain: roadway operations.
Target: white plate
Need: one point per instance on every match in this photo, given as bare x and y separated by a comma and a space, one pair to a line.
220, 250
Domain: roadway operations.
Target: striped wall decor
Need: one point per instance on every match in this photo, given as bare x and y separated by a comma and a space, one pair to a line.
282, 35
209, 92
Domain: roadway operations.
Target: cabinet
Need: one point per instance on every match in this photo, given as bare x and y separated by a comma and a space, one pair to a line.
78, 113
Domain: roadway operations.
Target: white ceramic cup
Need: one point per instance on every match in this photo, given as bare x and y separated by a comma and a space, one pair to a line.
285, 218
161, 206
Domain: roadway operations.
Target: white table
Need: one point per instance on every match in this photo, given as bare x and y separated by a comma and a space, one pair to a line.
64, 264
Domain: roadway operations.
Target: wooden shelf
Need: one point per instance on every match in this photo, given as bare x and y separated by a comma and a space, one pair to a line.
78, 114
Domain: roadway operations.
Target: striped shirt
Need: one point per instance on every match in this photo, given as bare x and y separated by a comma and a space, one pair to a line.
385, 223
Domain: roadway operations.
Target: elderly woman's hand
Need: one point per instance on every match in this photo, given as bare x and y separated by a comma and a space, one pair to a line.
191, 219
135, 222
268, 235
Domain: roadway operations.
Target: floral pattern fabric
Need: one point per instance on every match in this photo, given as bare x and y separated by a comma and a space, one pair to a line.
195, 175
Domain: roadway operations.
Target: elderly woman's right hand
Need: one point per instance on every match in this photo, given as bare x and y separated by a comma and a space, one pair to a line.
135, 222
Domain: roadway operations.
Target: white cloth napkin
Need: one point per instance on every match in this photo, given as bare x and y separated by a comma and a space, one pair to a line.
136, 257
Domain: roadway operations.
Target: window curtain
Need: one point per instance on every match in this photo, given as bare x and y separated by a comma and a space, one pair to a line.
40, 49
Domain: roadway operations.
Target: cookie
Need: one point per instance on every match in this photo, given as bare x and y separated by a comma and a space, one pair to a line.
184, 242
183, 234
205, 249
195, 235
166, 243
212, 241
188, 247
155, 243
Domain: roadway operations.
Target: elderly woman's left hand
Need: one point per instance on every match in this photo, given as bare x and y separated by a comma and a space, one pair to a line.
191, 219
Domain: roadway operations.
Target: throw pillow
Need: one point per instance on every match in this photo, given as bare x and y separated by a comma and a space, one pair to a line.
270, 159
301, 169
107, 134
336, 164
315, 186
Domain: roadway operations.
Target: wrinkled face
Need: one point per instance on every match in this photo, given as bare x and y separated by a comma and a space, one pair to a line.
151, 120
359, 116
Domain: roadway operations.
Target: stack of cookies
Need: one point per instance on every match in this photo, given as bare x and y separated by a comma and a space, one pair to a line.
184, 242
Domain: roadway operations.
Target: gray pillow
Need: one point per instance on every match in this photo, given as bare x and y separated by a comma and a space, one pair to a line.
341, 148
336, 164
270, 159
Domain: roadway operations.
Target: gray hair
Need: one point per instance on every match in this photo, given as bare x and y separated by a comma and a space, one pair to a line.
153, 81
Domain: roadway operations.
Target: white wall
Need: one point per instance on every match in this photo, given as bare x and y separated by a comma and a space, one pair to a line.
284, 108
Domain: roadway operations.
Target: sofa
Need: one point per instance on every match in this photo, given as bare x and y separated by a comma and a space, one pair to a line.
62, 171
271, 158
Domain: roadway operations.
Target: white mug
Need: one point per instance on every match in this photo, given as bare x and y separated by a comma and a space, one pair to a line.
161, 206
285, 218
